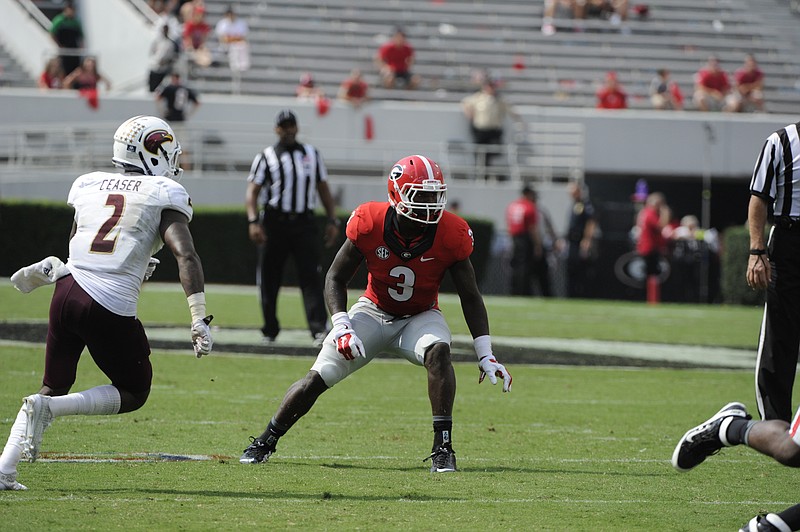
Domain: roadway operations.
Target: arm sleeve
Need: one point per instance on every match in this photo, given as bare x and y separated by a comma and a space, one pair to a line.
768, 166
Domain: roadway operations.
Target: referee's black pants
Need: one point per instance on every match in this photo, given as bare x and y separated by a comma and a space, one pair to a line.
296, 236
780, 331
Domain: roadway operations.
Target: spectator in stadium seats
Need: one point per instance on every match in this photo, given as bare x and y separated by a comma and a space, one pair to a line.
394, 60
611, 95
67, 32
616, 11
354, 90
748, 93
307, 89
86, 77
195, 34
665, 94
164, 11
52, 77
487, 111
711, 86
232, 34
164, 54
570, 9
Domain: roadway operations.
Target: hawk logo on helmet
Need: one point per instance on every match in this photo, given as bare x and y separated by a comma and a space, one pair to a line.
155, 139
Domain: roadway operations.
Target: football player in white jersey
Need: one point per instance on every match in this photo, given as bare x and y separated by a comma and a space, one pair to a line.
121, 219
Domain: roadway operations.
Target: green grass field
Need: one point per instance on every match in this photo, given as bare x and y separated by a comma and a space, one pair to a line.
571, 448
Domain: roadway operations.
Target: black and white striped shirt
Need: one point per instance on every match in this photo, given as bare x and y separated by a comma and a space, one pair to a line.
775, 177
289, 177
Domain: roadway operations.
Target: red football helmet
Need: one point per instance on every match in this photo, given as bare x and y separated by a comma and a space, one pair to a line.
417, 189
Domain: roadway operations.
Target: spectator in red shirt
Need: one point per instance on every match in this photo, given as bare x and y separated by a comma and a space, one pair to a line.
651, 245
711, 86
611, 95
395, 59
354, 89
748, 95
195, 34
522, 219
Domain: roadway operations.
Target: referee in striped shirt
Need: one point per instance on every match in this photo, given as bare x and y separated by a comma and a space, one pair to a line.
775, 265
282, 190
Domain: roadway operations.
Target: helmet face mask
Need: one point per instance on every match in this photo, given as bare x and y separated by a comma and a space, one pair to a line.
417, 189
147, 145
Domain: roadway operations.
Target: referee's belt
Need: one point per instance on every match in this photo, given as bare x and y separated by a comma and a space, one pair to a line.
280, 216
787, 223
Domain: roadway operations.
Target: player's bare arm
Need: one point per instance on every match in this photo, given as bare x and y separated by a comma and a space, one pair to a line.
472, 305
342, 270
176, 235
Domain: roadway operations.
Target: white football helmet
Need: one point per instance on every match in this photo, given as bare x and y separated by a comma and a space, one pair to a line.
147, 145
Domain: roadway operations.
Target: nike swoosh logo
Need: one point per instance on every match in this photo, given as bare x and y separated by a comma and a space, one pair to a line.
423, 259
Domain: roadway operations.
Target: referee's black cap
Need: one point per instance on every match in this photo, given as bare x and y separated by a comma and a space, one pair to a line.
285, 116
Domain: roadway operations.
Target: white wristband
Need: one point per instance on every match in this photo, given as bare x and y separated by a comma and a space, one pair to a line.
341, 318
197, 305
483, 346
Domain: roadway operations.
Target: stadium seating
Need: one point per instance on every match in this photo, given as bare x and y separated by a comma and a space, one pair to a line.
454, 38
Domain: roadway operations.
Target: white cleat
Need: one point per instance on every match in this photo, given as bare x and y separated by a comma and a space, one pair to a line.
37, 408
9, 482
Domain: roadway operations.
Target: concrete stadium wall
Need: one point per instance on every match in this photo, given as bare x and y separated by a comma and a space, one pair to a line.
627, 143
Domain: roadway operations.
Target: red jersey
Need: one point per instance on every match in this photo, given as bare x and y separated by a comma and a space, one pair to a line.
650, 237
397, 57
520, 215
404, 278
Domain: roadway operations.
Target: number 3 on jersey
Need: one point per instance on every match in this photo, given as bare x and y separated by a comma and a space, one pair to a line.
101, 244
405, 283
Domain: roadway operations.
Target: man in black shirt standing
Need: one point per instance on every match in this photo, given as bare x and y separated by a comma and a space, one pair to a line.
178, 101
282, 189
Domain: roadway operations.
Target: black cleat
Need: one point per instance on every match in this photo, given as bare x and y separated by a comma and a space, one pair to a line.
707, 438
766, 523
256, 453
443, 460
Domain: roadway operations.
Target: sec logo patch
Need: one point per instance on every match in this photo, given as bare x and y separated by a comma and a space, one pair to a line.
382, 252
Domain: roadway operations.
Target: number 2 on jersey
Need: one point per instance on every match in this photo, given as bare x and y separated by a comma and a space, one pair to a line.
101, 244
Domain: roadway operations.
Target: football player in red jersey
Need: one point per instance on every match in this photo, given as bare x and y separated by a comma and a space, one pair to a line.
408, 243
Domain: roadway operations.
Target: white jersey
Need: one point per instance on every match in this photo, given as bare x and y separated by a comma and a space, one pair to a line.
118, 218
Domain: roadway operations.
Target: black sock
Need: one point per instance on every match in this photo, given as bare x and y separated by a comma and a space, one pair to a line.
791, 516
442, 429
274, 431
737, 431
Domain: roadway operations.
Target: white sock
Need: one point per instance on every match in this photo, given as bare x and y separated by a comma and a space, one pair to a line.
97, 401
12, 453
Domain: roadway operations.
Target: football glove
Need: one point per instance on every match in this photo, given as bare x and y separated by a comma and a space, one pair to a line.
347, 343
201, 336
46, 271
491, 367
151, 267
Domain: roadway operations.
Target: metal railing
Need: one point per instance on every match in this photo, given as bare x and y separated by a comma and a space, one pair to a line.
542, 153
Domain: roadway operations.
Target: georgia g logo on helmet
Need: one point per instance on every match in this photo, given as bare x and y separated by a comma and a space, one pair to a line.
154, 140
